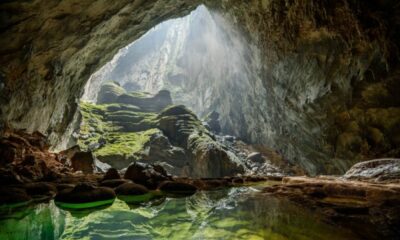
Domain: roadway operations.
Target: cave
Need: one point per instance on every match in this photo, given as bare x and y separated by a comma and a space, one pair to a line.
199, 119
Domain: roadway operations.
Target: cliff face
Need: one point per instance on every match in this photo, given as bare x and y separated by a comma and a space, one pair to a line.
330, 71
320, 82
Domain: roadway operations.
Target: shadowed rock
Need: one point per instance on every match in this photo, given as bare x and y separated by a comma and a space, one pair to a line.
85, 193
83, 161
131, 189
111, 173
146, 174
178, 188
113, 183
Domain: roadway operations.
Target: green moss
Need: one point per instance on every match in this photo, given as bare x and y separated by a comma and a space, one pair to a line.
125, 143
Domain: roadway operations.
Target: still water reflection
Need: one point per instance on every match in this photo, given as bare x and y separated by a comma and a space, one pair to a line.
236, 213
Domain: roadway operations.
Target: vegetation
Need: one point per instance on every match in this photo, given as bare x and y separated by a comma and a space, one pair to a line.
109, 129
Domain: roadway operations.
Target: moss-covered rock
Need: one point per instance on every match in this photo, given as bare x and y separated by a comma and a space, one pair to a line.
207, 157
130, 127
109, 93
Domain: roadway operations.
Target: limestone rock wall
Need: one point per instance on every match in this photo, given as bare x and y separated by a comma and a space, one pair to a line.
49, 49
326, 96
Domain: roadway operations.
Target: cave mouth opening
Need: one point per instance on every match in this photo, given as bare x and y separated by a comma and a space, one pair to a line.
198, 65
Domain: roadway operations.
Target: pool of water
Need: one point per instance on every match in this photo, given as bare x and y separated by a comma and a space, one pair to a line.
236, 213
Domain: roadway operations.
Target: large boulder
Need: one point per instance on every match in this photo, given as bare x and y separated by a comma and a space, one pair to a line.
179, 188
84, 195
83, 161
386, 169
111, 173
109, 93
131, 189
112, 92
255, 157
147, 103
146, 174
133, 193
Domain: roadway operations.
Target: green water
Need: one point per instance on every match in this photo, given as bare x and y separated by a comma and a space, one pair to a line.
237, 213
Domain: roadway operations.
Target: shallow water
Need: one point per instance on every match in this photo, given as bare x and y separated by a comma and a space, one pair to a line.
236, 213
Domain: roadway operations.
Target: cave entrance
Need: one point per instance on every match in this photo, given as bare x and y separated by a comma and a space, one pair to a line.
167, 97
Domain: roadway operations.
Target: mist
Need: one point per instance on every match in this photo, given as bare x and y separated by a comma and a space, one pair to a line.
201, 59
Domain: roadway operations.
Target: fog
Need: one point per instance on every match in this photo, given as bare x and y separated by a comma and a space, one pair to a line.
202, 59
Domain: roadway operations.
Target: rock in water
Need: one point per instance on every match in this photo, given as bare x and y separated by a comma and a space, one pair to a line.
385, 169
83, 161
131, 189
85, 195
113, 183
132, 193
146, 174
179, 188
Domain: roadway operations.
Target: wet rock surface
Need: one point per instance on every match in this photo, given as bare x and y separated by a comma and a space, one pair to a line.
178, 188
84, 193
353, 204
131, 189
377, 170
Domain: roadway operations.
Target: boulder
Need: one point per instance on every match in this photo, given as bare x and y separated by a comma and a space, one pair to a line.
146, 174
83, 161
109, 92
111, 173
85, 195
113, 183
175, 111
132, 193
131, 189
178, 188
255, 157
386, 169
63, 186
145, 102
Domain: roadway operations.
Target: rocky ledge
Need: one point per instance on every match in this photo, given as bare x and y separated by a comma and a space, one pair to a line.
369, 206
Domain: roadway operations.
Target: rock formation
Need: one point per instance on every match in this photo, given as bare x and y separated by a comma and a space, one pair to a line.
325, 96
134, 126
